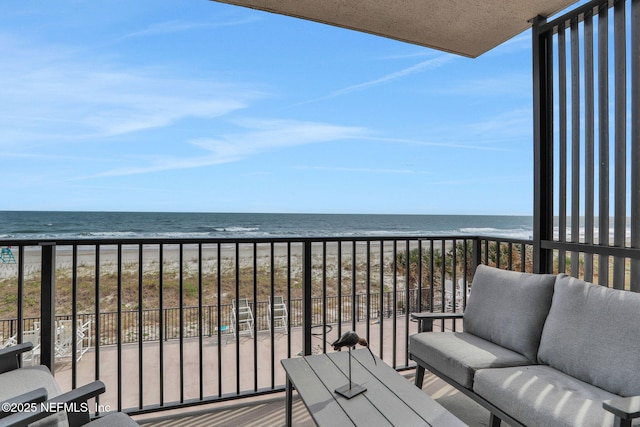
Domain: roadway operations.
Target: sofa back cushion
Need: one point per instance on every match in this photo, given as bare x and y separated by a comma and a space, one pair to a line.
593, 333
509, 308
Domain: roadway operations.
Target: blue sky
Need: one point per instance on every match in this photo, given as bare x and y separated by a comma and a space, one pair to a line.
205, 107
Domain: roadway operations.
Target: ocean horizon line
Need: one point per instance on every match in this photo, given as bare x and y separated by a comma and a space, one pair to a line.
85, 225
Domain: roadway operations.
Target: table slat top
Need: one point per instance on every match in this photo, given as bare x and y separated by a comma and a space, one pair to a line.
389, 400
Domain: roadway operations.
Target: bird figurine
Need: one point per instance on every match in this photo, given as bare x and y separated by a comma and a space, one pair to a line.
350, 339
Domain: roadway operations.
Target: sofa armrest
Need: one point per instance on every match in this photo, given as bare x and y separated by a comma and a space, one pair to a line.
625, 408
10, 356
80, 396
35, 396
425, 320
74, 401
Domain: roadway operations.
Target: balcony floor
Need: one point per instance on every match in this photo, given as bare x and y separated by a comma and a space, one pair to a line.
271, 411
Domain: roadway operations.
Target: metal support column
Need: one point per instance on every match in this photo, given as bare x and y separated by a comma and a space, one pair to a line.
543, 147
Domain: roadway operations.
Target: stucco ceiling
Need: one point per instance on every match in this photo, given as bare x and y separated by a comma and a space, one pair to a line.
464, 27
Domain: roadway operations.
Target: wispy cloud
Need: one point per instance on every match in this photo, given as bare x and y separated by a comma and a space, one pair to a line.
514, 124
440, 144
264, 135
258, 136
494, 86
364, 170
177, 26
71, 97
420, 67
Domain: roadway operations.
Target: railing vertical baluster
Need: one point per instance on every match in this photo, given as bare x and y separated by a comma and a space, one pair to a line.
237, 318
306, 296
272, 329
454, 287
20, 313
219, 316
418, 307
181, 317
119, 327
162, 323
562, 155
476, 254
339, 286
354, 302
394, 321
271, 332
368, 295
289, 300
589, 157
324, 297
98, 318
603, 141
74, 314
140, 325
620, 135
465, 245
257, 316
381, 299
47, 301
575, 144
406, 306
200, 325
432, 280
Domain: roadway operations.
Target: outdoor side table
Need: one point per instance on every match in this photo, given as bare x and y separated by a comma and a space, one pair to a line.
390, 400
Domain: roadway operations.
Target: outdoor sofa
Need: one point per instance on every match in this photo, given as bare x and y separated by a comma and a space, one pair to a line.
540, 350
22, 386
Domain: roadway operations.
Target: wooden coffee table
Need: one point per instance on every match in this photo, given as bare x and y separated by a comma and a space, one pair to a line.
389, 399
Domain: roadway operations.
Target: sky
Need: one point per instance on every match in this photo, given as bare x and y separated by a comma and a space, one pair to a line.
198, 106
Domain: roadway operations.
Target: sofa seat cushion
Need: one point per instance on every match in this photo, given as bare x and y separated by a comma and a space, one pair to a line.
24, 380
591, 334
509, 308
539, 395
459, 354
19, 381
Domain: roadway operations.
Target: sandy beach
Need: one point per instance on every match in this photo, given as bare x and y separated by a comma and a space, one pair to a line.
130, 256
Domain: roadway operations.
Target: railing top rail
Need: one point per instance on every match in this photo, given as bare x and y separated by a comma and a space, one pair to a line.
244, 240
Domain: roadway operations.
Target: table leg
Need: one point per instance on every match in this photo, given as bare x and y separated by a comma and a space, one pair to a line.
289, 402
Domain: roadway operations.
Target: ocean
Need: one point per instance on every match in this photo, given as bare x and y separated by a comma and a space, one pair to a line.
85, 225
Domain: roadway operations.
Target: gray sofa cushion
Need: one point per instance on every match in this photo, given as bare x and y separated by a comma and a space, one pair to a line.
539, 395
458, 354
591, 334
24, 380
509, 308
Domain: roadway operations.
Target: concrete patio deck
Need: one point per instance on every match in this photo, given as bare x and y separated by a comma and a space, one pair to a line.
254, 352
270, 411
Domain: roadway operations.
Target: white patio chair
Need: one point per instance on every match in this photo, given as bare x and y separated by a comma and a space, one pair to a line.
451, 295
279, 311
244, 317
29, 357
64, 338
10, 342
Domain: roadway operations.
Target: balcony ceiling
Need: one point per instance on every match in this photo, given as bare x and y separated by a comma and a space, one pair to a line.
464, 27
